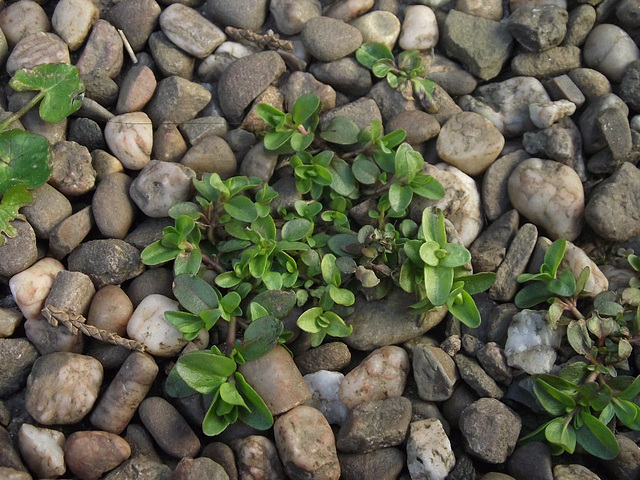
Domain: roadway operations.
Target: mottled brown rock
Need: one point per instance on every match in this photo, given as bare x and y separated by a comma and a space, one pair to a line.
89, 454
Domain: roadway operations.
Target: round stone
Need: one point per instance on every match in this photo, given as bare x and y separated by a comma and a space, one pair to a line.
419, 29
610, 50
328, 39
130, 138
89, 454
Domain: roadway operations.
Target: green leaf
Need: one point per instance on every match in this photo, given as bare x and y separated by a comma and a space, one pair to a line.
214, 424
272, 280
531, 295
552, 400
394, 138
478, 282
260, 337
194, 293
227, 280
230, 302
296, 229
306, 106
369, 53
337, 327
307, 320
58, 84
433, 227
438, 281
382, 67
14, 198
330, 271
428, 187
269, 114
560, 432
632, 390
457, 256
156, 253
188, 262
365, 171
341, 296
596, 438
554, 255
230, 395
258, 416
465, 310
275, 140
24, 159
187, 323
564, 285
400, 196
626, 411
341, 131
241, 208
574, 373
300, 142
428, 253
582, 280
343, 181
579, 337
176, 387
205, 370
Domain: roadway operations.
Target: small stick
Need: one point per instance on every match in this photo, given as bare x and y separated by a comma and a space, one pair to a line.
270, 40
127, 46
75, 323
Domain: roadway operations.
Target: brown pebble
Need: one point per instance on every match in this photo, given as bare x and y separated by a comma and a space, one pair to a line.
110, 310
89, 454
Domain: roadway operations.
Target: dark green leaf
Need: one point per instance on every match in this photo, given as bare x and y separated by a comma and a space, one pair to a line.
194, 293
258, 416
205, 371
531, 295
560, 432
156, 253
300, 142
632, 390
58, 84
260, 337
341, 131
428, 187
277, 303
394, 138
227, 280
230, 302
478, 282
176, 387
582, 280
574, 373
552, 400
24, 159
365, 171
306, 106
338, 243
369, 53
241, 208
578, 337
296, 229
400, 196
596, 438
457, 256
564, 285
554, 255
465, 310
343, 182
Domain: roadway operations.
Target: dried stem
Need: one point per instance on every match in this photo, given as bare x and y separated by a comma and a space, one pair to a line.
270, 40
75, 323
127, 46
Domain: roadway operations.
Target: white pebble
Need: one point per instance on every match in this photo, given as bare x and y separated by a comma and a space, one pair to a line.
31, 287
325, 389
42, 450
610, 50
419, 29
545, 114
73, 19
130, 139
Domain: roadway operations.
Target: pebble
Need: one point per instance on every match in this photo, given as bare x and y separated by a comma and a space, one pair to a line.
177, 100
531, 343
461, 202
419, 28
345, 75
291, 15
100, 88
161, 185
90, 454
168, 144
552, 62
591, 83
140, 468
382, 464
582, 18
491, 9
390, 102
19, 252
113, 209
490, 415
361, 112
72, 292
374, 425
17, 355
9, 457
10, 319
489, 249
563, 88
257, 457
531, 460
277, 380
104, 52
72, 20
382, 374
450, 76
550, 195
136, 18
591, 126
628, 13
168, 58
14, 474
483, 53
538, 27
434, 372
168, 428
306, 445
136, 89
610, 204
297, 84
610, 50
332, 356
420, 126
86, 132
514, 263
130, 138
72, 172
148, 325
573, 472
21, 19
429, 453
48, 209
625, 466
545, 114
325, 386
474, 376
69, 233
222, 454
190, 31
198, 468
328, 39
245, 79
42, 450
347, 10
495, 196
250, 14
493, 360
110, 310
211, 155
469, 142
62, 388
106, 262
379, 27
212, 67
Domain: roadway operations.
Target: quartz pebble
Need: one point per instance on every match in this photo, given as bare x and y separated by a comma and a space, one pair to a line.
545, 114
190, 31
325, 387
148, 325
379, 27
89, 454
42, 450
212, 67
72, 20
10, 319
31, 287
62, 388
130, 138
382, 374
610, 50
419, 28
306, 445
429, 453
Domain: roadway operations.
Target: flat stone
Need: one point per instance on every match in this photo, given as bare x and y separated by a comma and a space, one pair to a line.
211, 155
177, 100
291, 15
490, 248
249, 15
332, 356
104, 52
434, 372
563, 88
169, 59
345, 75
136, 18
328, 39
615, 129
136, 89
552, 62
474, 376
532, 460
36, 49
383, 464
69, 233
196, 468
378, 26
21, 19
190, 31
48, 209
573, 472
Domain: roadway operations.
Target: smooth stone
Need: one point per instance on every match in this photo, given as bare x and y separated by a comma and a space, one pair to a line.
419, 28
347, 10
361, 112
625, 466
291, 15
10, 319
590, 124
469, 142
190, 31
489, 249
573, 472
591, 83
306, 445
149, 231
420, 126
257, 457
161, 185
550, 195
450, 76
610, 50
563, 88
491, 9
110, 310
328, 39
531, 460
333, 356
36, 49
429, 453
148, 325
140, 468
277, 380
374, 425
130, 138
21, 19
73, 19
212, 67
250, 14
106, 262
198, 468
72, 173
325, 386
198, 128
168, 428
382, 374
177, 100
582, 18
136, 89
610, 206
345, 75
42, 450
222, 454
125, 393
168, 58
168, 143
62, 388
628, 13
18, 252
71, 292
434, 372
113, 209
531, 343
245, 79
105, 164
86, 132
9, 457
259, 162
136, 18
297, 84
89, 454
49, 208
461, 202
104, 52
211, 155
379, 27
490, 415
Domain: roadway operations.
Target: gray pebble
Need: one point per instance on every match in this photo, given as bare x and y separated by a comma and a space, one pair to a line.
16, 358
328, 39
490, 248
495, 196
10, 459
168, 143
105, 164
477, 378
538, 27
72, 172
210, 155
581, 20
259, 162
291, 15
136, 18
69, 233
149, 231
345, 75
48, 209
107, 262
150, 282
249, 14
552, 62
198, 128
531, 460
435, 373
86, 132
168, 428
104, 51
113, 209
361, 112
222, 454
169, 59
590, 82
100, 88
177, 100
19, 252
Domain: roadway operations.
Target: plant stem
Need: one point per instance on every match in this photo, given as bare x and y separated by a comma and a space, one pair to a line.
213, 263
231, 336
16, 116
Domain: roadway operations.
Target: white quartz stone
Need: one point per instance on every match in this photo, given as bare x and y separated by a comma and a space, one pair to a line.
31, 287
148, 325
325, 388
610, 50
73, 19
545, 114
378, 27
42, 450
419, 29
429, 453
130, 138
